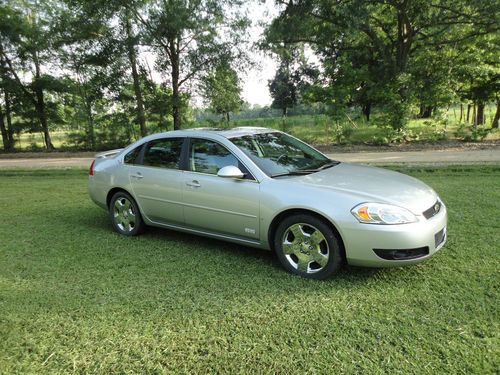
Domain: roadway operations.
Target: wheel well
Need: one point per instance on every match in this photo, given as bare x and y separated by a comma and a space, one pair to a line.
296, 211
113, 192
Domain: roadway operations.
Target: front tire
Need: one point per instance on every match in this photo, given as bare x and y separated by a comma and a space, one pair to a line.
307, 246
125, 215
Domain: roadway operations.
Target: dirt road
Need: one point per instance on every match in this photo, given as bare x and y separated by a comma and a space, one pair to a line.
390, 157
421, 157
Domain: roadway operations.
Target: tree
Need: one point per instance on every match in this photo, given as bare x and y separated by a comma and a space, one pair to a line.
369, 46
283, 87
131, 44
95, 20
25, 46
190, 37
6, 127
222, 90
494, 123
477, 73
94, 58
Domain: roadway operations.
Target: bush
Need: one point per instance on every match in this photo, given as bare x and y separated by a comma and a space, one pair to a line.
341, 131
471, 133
390, 135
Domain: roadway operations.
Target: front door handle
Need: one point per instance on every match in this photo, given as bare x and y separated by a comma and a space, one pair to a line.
138, 175
193, 183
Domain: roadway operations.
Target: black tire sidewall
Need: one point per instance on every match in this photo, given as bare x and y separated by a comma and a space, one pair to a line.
139, 222
335, 259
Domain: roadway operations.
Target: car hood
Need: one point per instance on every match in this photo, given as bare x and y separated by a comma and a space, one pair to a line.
375, 185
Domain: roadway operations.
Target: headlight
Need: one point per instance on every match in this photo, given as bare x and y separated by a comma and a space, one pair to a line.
378, 213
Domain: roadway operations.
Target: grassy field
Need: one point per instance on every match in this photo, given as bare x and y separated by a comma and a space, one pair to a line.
77, 298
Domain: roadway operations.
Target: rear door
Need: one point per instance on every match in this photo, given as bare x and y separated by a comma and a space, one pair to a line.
157, 180
224, 205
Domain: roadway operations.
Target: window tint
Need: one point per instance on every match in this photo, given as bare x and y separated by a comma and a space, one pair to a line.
209, 157
131, 157
164, 153
278, 153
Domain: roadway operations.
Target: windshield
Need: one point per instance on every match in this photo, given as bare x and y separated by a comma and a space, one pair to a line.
279, 154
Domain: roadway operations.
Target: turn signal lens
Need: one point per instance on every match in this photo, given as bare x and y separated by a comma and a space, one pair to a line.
363, 213
379, 213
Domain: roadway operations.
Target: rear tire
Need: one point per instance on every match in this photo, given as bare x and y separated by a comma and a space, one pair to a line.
125, 215
308, 247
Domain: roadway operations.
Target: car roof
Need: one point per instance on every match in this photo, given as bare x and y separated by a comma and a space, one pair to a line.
226, 133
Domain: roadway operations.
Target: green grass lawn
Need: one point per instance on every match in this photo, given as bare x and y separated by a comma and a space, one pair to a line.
76, 297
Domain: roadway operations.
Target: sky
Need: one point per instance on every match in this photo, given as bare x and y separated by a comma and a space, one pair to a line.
254, 83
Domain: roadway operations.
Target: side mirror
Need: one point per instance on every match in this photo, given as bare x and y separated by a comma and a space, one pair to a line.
230, 171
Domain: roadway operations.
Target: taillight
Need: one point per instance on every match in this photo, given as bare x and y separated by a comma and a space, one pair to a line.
91, 169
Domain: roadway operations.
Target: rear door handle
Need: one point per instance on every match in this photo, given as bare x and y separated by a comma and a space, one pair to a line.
138, 175
193, 183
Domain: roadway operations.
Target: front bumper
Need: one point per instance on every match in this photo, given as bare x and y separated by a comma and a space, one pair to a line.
386, 245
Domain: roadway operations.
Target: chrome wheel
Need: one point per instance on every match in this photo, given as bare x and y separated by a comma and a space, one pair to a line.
305, 248
124, 215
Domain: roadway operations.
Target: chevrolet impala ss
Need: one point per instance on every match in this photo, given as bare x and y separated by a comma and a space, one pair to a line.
264, 188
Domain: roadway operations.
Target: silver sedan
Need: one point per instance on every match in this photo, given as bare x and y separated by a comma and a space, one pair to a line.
267, 189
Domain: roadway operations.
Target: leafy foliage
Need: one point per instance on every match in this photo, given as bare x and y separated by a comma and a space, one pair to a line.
222, 90
386, 53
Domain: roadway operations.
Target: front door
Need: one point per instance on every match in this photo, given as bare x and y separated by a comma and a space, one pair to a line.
157, 182
217, 204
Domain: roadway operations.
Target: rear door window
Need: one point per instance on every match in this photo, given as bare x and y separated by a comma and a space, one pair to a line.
133, 156
163, 153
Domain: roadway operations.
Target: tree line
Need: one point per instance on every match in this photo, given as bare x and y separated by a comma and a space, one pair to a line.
397, 55
119, 69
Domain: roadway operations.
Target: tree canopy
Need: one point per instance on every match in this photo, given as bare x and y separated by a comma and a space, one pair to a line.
108, 72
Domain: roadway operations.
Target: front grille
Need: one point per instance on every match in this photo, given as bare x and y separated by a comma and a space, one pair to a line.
439, 237
402, 254
433, 210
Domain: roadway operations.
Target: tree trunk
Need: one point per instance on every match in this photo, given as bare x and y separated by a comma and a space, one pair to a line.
40, 110
8, 113
494, 124
405, 37
461, 113
6, 128
173, 54
474, 118
132, 56
283, 118
425, 111
40, 106
367, 108
176, 107
90, 129
3, 130
468, 113
480, 113
227, 119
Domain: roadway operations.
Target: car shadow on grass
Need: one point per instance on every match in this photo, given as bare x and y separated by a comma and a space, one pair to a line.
246, 253
240, 256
